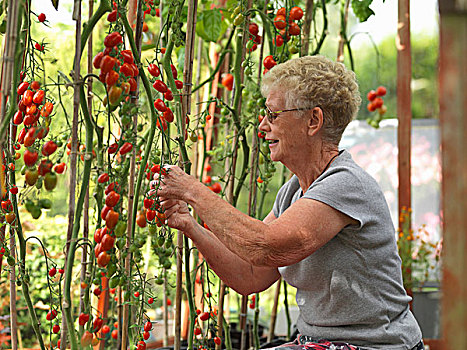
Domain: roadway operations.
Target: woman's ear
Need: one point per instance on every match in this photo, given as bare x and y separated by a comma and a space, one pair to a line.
315, 121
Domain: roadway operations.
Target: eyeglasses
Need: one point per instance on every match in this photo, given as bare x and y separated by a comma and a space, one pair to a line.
273, 115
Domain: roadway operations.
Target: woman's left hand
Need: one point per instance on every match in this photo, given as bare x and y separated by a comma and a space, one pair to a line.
173, 183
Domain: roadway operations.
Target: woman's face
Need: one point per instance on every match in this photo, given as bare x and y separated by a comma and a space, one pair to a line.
287, 134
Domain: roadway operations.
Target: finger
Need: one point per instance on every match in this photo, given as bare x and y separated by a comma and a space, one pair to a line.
168, 203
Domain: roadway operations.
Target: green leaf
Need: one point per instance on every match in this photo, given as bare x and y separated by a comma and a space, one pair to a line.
362, 10
209, 25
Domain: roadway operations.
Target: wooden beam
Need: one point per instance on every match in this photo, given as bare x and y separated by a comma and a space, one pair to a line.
453, 104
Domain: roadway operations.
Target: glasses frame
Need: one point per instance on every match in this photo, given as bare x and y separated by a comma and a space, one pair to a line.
274, 115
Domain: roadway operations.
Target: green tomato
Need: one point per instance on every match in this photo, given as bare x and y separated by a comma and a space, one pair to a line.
11, 261
121, 242
120, 229
152, 229
36, 212
114, 281
45, 203
111, 269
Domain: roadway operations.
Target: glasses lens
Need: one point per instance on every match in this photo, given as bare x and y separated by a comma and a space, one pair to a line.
271, 115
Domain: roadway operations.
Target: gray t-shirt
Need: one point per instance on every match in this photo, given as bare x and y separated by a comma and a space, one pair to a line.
351, 288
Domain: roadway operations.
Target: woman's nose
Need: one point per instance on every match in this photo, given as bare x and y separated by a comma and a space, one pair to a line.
264, 124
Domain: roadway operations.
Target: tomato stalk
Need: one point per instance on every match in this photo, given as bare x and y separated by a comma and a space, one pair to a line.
67, 303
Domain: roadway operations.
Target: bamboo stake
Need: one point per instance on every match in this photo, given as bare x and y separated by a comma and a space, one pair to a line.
73, 162
186, 110
131, 183
307, 27
13, 313
342, 34
82, 305
7, 78
272, 322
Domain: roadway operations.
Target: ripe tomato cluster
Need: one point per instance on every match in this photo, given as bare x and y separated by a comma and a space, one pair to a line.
166, 95
117, 69
376, 103
254, 37
286, 23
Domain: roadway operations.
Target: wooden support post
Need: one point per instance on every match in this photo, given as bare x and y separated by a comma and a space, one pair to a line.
453, 104
404, 108
404, 105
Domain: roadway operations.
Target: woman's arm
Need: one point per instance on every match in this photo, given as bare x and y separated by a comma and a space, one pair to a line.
302, 229
234, 271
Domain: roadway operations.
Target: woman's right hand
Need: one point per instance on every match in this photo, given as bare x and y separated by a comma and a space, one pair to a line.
177, 214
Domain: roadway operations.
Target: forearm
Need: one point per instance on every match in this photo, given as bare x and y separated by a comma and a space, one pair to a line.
237, 273
240, 233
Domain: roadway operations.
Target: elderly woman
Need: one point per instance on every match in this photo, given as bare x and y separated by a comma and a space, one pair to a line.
329, 234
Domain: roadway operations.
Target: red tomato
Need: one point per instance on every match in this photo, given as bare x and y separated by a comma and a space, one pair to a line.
113, 148
105, 329
22, 88
160, 105
52, 271
111, 219
114, 334
280, 22
126, 147
150, 215
111, 78
96, 62
49, 148
97, 324
269, 62
378, 102
107, 242
160, 86
47, 109
179, 84
59, 168
217, 340
227, 81
381, 91
296, 13
281, 12
30, 158
98, 235
112, 199
204, 316
174, 71
103, 259
127, 56
83, 319
97, 291
132, 83
107, 63
113, 39
371, 107
41, 17
150, 300
103, 178
279, 41
294, 29
371, 95
27, 98
153, 70
146, 335
168, 95
39, 47
18, 118
112, 16
148, 326
216, 187
253, 29
168, 115
126, 70
197, 331
38, 97
141, 219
